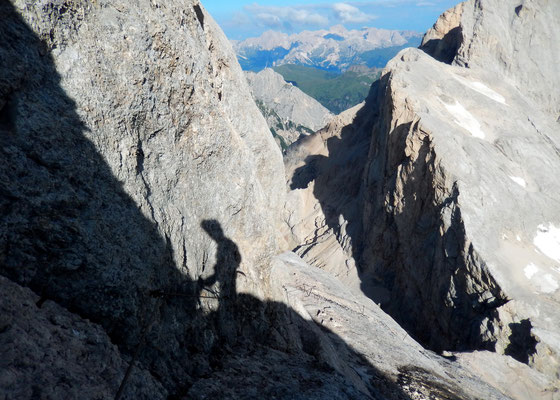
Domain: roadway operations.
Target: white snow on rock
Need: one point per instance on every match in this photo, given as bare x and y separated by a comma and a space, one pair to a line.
530, 270
482, 89
551, 284
465, 119
546, 283
520, 181
547, 240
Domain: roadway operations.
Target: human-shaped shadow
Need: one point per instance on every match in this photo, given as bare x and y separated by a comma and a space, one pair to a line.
228, 259
72, 234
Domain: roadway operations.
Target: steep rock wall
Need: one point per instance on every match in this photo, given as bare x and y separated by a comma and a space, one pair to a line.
137, 173
460, 201
457, 204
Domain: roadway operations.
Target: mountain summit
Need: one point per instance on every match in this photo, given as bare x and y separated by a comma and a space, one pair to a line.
335, 49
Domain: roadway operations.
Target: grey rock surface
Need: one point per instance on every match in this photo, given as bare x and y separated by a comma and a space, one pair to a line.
461, 176
496, 37
457, 204
289, 112
383, 360
48, 352
324, 177
137, 173
466, 204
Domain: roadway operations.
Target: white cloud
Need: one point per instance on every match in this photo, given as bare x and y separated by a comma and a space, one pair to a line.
272, 16
309, 15
425, 4
347, 13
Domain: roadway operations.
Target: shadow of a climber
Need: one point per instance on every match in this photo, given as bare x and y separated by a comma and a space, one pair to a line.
222, 282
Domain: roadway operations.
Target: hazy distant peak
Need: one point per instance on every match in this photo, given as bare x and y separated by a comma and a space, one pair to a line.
333, 49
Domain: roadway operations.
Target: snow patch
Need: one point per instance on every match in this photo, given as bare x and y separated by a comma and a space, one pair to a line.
547, 240
546, 283
465, 119
482, 89
520, 181
549, 284
518, 238
530, 270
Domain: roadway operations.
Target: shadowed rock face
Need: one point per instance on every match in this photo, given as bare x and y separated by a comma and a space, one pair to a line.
51, 353
123, 126
139, 205
457, 206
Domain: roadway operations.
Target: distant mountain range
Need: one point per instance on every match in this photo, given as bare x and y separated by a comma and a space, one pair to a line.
332, 50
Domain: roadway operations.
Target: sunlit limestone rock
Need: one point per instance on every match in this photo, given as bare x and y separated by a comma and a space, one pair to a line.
358, 340
289, 112
455, 208
461, 188
134, 165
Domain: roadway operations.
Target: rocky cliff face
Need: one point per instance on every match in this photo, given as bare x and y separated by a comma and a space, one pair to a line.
137, 174
289, 112
141, 199
460, 177
455, 214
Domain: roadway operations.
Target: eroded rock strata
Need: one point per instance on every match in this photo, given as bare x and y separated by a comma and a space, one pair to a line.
455, 208
143, 210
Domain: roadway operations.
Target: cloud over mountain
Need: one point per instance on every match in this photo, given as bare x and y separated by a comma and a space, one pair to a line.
276, 17
303, 16
347, 13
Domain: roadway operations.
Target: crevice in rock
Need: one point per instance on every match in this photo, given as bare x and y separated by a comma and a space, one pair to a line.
199, 15
139, 158
7, 114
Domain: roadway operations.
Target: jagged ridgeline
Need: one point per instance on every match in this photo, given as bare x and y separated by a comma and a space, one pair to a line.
289, 112
146, 228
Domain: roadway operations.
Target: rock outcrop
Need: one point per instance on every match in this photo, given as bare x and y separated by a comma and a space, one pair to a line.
141, 211
289, 112
455, 208
137, 174
461, 189
48, 352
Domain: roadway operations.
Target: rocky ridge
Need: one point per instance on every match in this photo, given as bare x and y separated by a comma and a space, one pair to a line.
142, 197
453, 214
288, 111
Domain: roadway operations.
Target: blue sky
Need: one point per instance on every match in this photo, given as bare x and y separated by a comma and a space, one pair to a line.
246, 18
